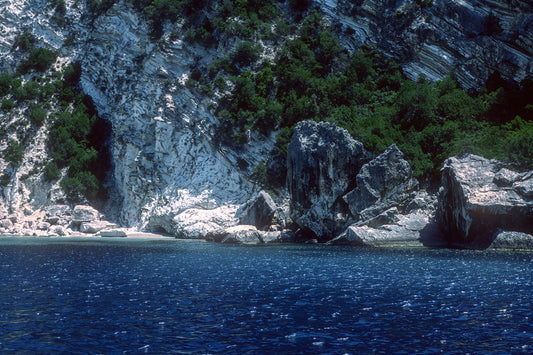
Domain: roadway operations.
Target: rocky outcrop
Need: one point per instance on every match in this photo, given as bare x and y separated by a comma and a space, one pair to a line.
478, 198
56, 220
512, 240
470, 38
384, 182
322, 163
333, 185
258, 211
87, 214
243, 234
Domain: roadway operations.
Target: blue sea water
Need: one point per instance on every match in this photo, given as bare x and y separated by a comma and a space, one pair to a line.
191, 297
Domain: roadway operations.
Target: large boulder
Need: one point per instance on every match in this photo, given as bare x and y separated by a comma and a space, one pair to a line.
384, 182
414, 229
197, 223
113, 233
478, 198
96, 226
83, 213
258, 211
243, 234
322, 163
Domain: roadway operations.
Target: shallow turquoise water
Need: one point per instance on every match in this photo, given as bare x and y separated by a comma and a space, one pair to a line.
171, 296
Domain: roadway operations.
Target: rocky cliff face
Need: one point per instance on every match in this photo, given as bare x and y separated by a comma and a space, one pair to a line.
469, 38
166, 161
168, 173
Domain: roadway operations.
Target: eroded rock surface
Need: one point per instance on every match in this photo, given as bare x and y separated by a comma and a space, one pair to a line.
322, 162
258, 211
478, 198
383, 183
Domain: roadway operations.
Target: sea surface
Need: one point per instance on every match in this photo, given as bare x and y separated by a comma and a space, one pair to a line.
81, 296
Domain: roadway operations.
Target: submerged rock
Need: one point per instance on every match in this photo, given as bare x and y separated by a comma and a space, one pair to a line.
322, 162
478, 198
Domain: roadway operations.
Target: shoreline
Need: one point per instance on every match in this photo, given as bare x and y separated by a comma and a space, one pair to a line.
148, 236
78, 235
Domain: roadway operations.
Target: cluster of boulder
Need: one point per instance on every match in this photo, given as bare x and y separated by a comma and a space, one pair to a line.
60, 220
339, 194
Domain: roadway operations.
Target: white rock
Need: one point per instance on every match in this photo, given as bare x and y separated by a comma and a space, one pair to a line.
83, 213
113, 233
96, 226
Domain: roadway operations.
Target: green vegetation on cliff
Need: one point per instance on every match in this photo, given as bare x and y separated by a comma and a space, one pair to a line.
313, 77
51, 98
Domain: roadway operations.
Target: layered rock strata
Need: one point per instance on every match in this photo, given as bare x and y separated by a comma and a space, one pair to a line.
469, 38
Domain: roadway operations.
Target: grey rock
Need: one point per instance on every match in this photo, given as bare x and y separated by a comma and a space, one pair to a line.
43, 226
113, 233
52, 220
6, 224
198, 223
407, 230
505, 177
472, 207
58, 230
422, 201
83, 213
236, 235
512, 240
322, 162
386, 180
96, 226
258, 212
271, 237
58, 211
390, 216
525, 188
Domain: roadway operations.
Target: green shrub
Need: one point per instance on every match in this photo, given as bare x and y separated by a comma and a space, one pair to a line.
367, 94
84, 184
39, 59
51, 171
260, 174
14, 153
6, 81
7, 105
37, 115
247, 53
5, 179
24, 41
